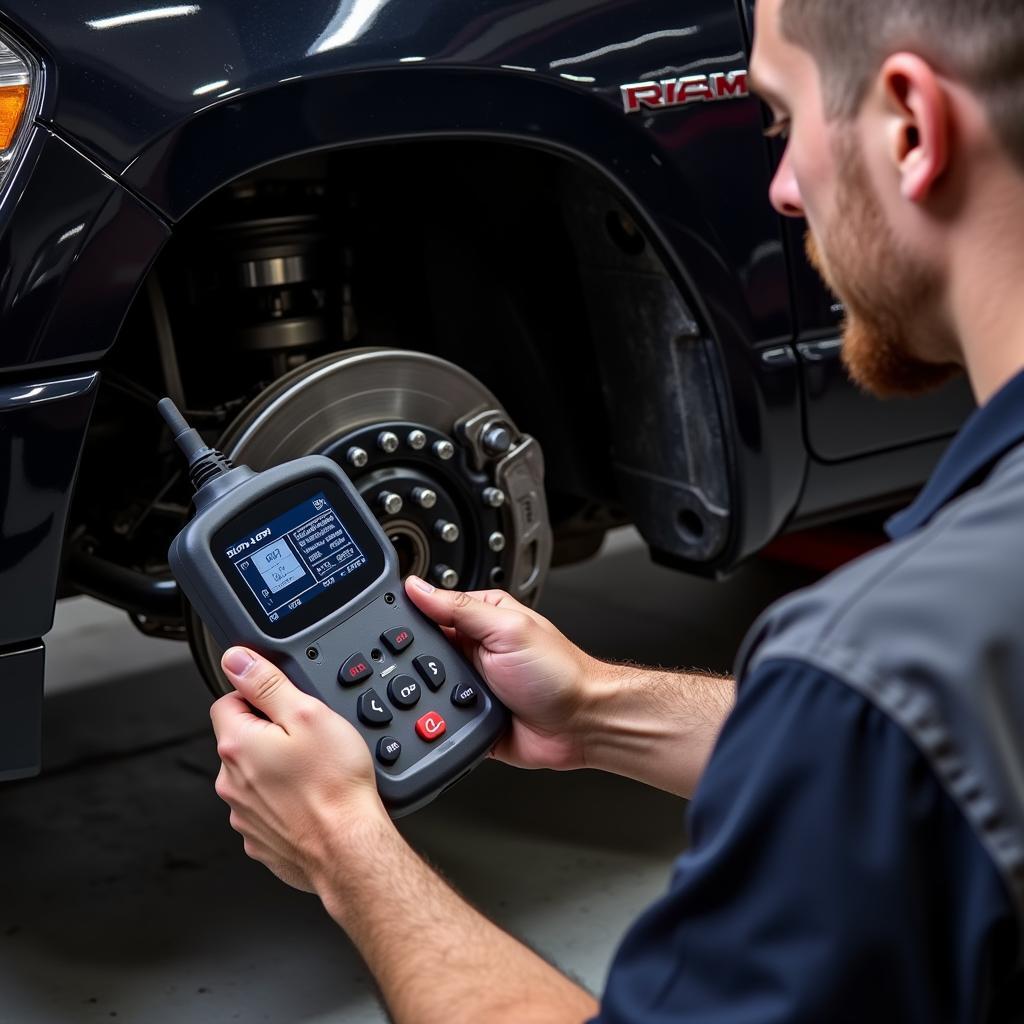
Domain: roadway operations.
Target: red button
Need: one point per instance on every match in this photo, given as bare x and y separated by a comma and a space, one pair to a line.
430, 726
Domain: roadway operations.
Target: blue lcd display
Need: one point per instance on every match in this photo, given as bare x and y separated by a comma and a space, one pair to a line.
296, 556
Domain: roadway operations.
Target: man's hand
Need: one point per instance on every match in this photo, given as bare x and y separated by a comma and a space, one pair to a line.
294, 780
533, 668
300, 784
571, 710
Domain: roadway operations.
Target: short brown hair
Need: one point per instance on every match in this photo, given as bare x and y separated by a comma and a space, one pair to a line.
978, 42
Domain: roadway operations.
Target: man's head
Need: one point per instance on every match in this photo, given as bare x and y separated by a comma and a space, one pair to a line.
893, 108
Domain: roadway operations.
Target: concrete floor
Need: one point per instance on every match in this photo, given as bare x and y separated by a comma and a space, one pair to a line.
124, 894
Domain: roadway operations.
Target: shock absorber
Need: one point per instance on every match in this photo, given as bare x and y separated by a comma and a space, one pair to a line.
278, 288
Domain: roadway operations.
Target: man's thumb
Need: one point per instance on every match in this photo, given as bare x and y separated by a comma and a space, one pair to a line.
471, 617
262, 684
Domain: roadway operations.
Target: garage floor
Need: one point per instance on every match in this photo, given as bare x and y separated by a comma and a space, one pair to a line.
124, 894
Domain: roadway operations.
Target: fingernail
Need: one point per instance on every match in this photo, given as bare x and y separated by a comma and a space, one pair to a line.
237, 661
423, 585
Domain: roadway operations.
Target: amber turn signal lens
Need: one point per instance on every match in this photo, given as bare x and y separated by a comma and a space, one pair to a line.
13, 99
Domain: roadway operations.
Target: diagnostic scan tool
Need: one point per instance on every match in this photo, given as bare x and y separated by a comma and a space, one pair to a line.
292, 563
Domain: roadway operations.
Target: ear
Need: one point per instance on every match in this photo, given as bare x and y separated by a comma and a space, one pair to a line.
917, 113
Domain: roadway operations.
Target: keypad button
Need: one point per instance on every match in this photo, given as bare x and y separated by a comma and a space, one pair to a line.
372, 710
464, 695
388, 749
431, 670
404, 691
397, 638
355, 670
430, 727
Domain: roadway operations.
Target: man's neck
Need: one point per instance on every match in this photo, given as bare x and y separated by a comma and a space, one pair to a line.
987, 287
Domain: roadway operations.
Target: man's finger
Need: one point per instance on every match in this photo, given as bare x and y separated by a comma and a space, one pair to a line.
229, 712
468, 615
231, 715
263, 685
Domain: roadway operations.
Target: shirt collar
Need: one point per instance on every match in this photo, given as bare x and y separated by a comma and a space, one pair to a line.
988, 434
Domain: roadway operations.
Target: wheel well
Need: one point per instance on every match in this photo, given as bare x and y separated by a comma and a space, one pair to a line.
456, 249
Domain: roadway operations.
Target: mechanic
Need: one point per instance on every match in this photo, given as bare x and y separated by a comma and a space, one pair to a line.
857, 837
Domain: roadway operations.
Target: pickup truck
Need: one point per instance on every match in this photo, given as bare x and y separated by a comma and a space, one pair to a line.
510, 262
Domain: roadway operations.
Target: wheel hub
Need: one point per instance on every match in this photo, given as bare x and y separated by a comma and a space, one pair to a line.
438, 512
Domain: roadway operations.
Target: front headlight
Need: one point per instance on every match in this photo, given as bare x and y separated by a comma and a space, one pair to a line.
16, 82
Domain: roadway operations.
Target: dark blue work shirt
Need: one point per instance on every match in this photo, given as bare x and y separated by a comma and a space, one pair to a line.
831, 876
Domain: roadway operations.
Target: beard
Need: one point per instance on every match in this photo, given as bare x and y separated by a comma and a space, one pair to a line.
893, 300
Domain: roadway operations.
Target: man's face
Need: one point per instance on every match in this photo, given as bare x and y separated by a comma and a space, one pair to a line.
894, 334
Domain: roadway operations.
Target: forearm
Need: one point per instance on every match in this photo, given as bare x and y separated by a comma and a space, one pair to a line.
435, 958
654, 726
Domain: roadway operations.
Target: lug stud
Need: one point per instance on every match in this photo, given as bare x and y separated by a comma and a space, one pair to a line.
447, 531
446, 576
494, 497
496, 541
387, 442
444, 450
356, 457
424, 497
390, 502
416, 440
497, 438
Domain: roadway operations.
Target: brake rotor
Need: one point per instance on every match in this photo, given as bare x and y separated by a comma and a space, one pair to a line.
454, 485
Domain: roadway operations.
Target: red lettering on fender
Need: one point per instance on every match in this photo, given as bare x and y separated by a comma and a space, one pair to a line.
647, 93
689, 90
678, 92
734, 84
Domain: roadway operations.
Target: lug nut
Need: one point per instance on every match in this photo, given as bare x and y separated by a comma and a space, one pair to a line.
448, 532
496, 541
497, 439
446, 576
387, 442
416, 440
494, 497
356, 457
444, 450
390, 502
424, 497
